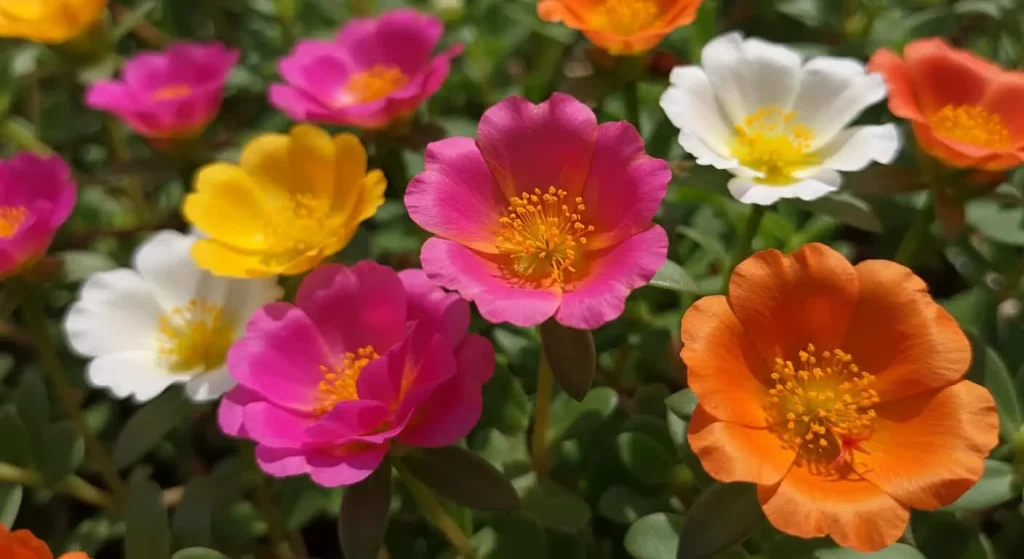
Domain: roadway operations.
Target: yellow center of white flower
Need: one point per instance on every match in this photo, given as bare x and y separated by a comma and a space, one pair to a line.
195, 337
339, 384
626, 17
821, 407
373, 84
296, 226
772, 142
972, 125
11, 218
172, 92
541, 237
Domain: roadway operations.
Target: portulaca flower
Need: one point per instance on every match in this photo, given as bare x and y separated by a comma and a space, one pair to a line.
780, 124
163, 322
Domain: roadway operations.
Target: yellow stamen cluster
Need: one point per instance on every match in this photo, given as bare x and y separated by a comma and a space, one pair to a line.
195, 337
376, 83
542, 236
626, 17
339, 383
773, 142
820, 405
11, 218
296, 226
172, 92
972, 125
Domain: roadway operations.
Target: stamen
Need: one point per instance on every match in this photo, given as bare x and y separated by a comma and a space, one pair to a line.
339, 383
11, 218
773, 142
172, 92
972, 125
297, 226
626, 17
195, 337
371, 85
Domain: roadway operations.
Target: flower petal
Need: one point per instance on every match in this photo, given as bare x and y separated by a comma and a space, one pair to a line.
818, 182
833, 92
902, 101
115, 311
430, 304
165, 262
748, 74
275, 426
131, 373
350, 467
227, 206
943, 75
730, 452
209, 386
855, 148
691, 106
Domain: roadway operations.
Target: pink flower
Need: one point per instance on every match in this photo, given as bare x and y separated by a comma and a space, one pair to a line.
170, 94
374, 72
366, 358
37, 195
546, 214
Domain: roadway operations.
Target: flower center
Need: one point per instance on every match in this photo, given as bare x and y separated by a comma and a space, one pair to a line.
972, 125
626, 17
172, 92
772, 142
11, 218
373, 84
297, 226
542, 236
821, 407
339, 384
195, 336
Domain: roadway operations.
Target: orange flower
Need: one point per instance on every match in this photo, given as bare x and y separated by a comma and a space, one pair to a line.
838, 390
21, 544
965, 110
621, 27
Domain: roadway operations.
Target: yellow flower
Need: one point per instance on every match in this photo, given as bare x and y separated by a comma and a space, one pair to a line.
48, 21
294, 200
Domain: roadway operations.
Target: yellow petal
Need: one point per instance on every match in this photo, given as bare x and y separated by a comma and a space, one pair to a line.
311, 157
371, 196
227, 206
265, 159
225, 260
350, 169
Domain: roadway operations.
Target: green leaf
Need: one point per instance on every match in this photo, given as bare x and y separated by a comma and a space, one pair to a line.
191, 524
1000, 224
894, 551
551, 504
571, 355
10, 503
846, 208
655, 536
506, 404
462, 476
33, 407
625, 505
571, 419
147, 535
80, 264
644, 458
996, 486
990, 369
149, 426
672, 276
199, 553
364, 515
723, 515
511, 535
17, 445
682, 403
942, 535
884, 180
63, 452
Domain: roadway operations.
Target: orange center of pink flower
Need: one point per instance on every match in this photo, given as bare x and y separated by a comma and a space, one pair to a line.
626, 17
373, 84
542, 236
172, 92
972, 125
772, 141
339, 384
821, 407
11, 218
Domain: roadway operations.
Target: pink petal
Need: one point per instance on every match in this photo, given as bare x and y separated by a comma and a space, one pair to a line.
458, 268
403, 37
349, 421
231, 411
613, 274
282, 462
455, 196
446, 417
331, 470
625, 186
531, 146
429, 304
273, 426
475, 356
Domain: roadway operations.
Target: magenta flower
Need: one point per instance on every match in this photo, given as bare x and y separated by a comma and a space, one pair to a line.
374, 72
170, 94
367, 358
37, 195
546, 214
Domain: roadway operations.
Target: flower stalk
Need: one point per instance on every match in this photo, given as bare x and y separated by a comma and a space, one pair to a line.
438, 516
542, 417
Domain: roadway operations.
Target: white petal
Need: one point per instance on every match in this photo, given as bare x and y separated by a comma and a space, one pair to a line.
131, 373
750, 74
855, 148
165, 261
691, 106
833, 92
209, 386
116, 311
811, 188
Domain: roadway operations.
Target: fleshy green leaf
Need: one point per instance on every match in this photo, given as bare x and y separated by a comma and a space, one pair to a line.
655, 536
682, 403
199, 553
17, 445
364, 514
10, 503
894, 551
644, 458
63, 451
625, 505
147, 535
191, 523
571, 355
149, 426
990, 369
462, 476
672, 276
1000, 224
996, 486
511, 535
551, 504
724, 515
571, 419
848, 209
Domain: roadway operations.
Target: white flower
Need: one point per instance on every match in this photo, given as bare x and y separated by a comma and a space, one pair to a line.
163, 322
779, 124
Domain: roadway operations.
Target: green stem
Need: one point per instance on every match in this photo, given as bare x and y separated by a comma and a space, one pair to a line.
633, 103
35, 317
916, 236
19, 132
542, 417
265, 502
438, 516
74, 486
746, 238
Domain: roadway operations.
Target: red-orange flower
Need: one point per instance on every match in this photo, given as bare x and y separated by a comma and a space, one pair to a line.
21, 544
621, 26
838, 390
965, 110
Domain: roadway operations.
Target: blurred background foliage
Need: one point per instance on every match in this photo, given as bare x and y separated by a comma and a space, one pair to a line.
622, 476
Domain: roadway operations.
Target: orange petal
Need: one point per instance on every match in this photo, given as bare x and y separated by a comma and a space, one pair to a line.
1004, 99
731, 452
74, 555
902, 102
901, 335
943, 75
724, 369
786, 302
950, 152
854, 512
927, 450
